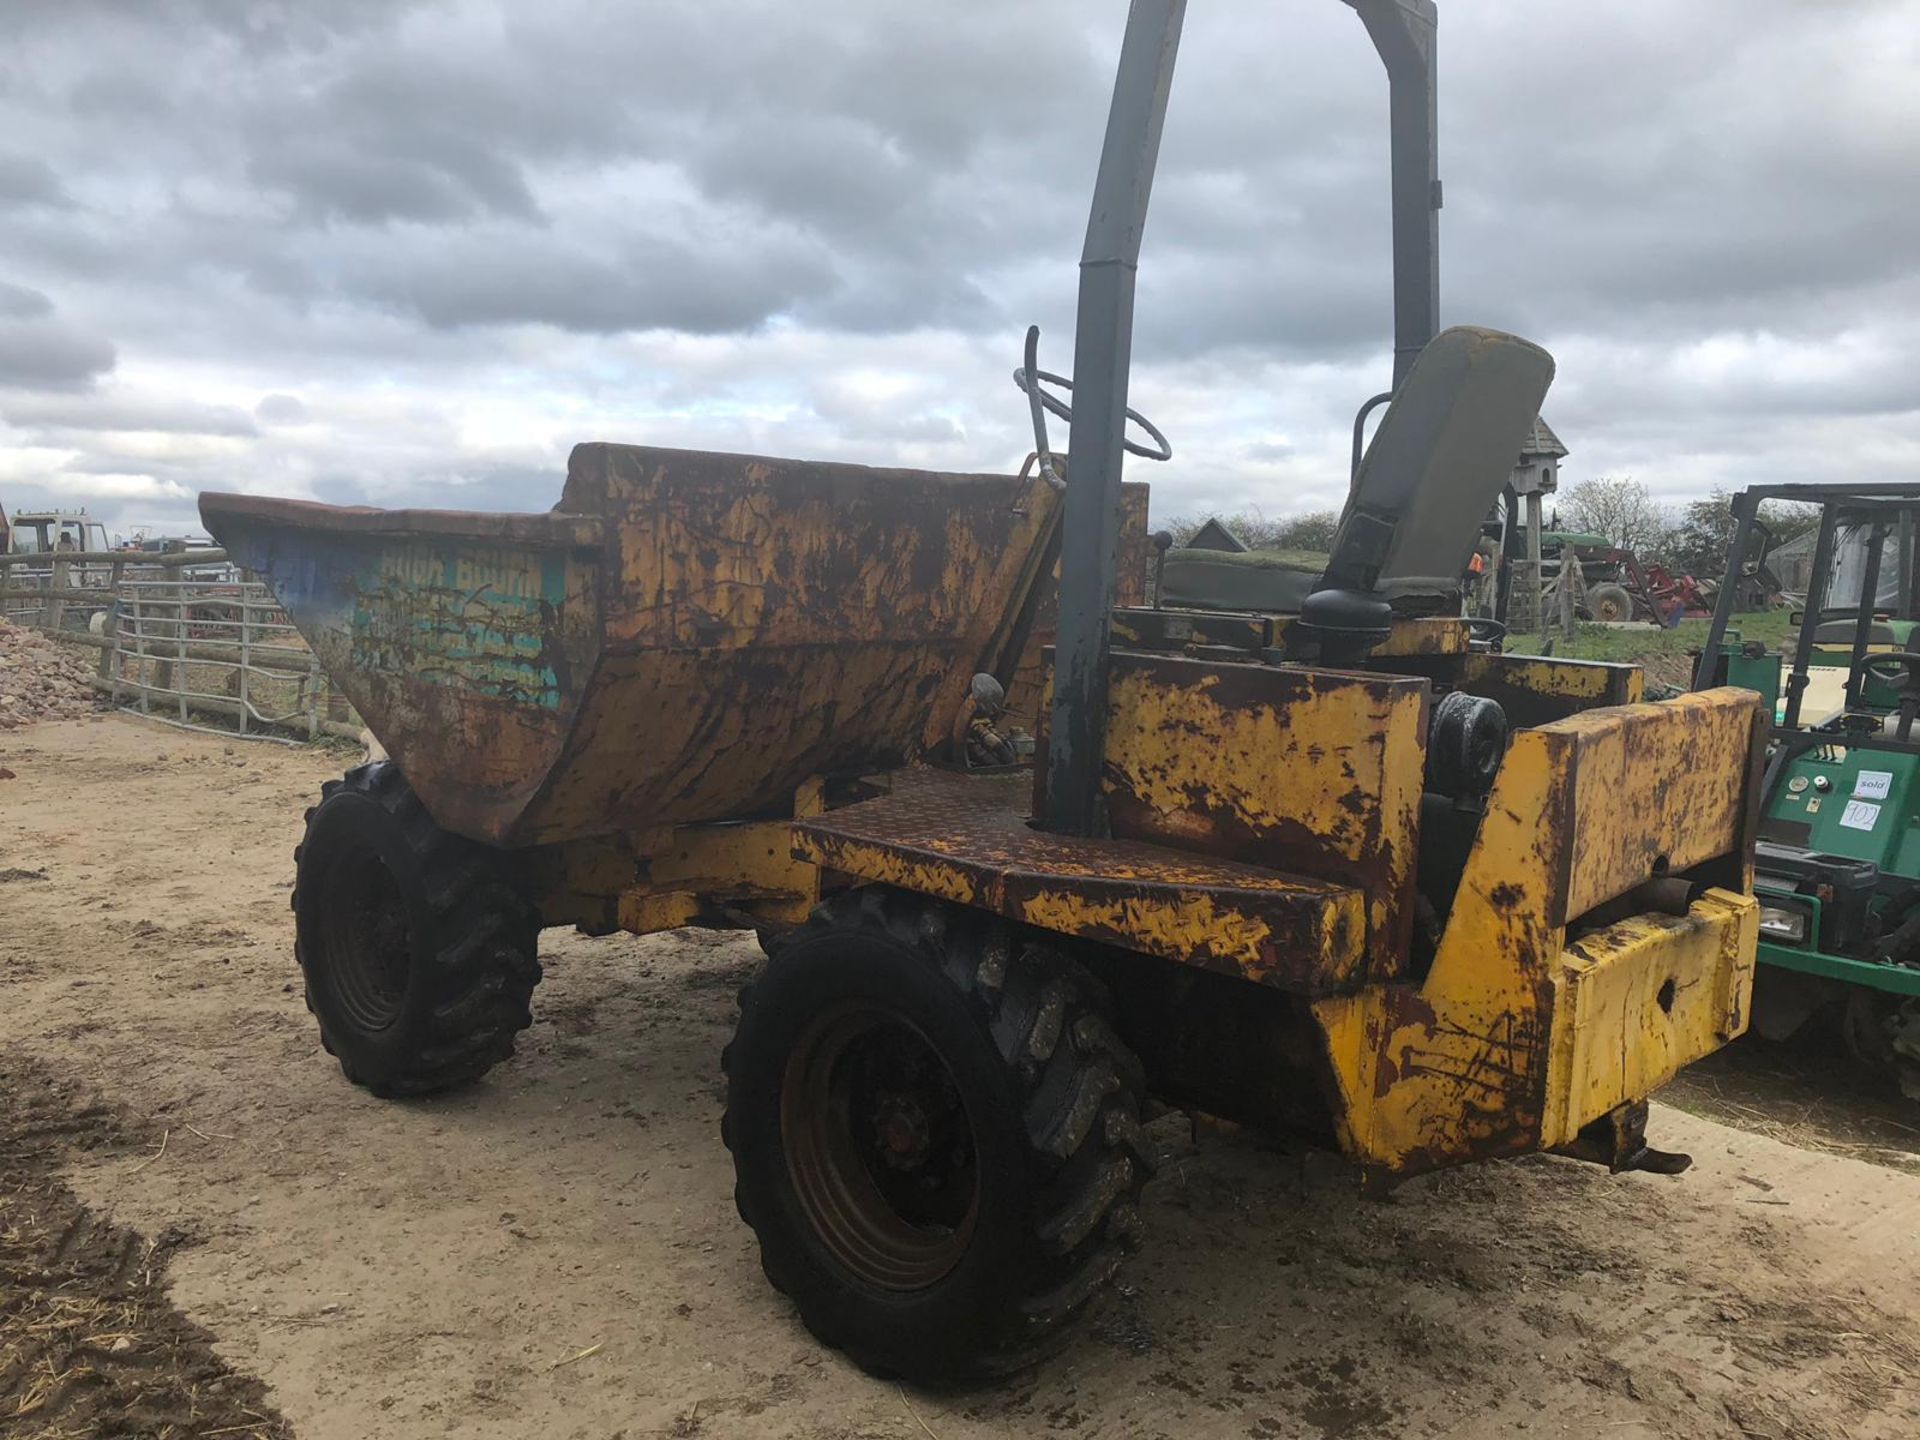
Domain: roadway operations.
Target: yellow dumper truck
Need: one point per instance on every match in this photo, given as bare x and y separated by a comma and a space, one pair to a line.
1346, 872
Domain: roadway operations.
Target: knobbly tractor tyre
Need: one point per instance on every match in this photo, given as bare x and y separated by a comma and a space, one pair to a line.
419, 955
935, 1135
1610, 602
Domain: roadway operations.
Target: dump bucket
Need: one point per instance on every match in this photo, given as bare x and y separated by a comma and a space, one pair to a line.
688, 636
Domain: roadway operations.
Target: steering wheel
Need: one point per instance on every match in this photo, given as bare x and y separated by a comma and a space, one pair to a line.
1056, 406
1897, 668
1485, 628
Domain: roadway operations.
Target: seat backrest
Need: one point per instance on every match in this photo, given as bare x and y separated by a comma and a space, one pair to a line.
1444, 450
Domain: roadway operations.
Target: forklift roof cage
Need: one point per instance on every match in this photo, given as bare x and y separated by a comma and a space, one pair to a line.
1884, 507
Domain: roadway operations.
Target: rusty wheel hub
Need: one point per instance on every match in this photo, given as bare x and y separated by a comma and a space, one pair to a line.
879, 1147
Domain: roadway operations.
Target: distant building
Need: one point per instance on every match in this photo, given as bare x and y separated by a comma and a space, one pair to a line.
1215, 536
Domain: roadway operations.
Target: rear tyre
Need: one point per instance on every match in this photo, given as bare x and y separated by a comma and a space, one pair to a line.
936, 1137
1610, 602
1883, 1032
419, 956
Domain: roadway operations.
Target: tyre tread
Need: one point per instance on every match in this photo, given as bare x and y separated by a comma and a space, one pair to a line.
483, 946
1083, 1093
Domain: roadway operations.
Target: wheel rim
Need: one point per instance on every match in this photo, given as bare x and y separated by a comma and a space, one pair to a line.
879, 1147
363, 942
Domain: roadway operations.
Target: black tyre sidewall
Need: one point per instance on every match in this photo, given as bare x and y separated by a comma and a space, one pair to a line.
1615, 595
901, 1331
343, 829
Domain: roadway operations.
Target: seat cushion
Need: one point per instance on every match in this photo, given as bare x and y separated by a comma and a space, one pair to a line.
1271, 581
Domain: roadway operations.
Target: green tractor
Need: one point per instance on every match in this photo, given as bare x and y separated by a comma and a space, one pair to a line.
1837, 864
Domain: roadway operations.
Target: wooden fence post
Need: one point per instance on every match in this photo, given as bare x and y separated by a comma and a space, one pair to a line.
110, 656
56, 608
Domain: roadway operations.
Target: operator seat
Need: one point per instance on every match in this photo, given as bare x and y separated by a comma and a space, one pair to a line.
1440, 458
1272, 582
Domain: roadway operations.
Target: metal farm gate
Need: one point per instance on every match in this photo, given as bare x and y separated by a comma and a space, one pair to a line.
187, 638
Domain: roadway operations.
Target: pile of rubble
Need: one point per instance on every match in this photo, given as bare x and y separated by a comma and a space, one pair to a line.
41, 678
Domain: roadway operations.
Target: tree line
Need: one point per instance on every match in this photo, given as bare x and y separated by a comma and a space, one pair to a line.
1687, 539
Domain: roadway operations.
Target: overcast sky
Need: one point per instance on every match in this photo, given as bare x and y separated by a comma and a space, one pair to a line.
409, 253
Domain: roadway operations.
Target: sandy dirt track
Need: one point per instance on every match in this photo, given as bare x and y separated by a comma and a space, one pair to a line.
554, 1252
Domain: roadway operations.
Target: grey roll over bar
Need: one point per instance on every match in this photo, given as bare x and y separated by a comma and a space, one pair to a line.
1403, 32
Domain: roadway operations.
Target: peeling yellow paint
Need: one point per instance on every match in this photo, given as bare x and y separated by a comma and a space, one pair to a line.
1675, 987
1193, 927
1590, 680
889, 867
670, 876
1458, 1067
1411, 635
1538, 1012
753, 621
1285, 930
1312, 772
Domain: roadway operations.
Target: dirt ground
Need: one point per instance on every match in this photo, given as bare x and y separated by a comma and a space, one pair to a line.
554, 1252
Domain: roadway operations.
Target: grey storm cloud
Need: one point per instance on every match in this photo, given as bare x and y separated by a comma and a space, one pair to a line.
331, 181
39, 352
28, 180
702, 285
281, 410
729, 222
17, 302
68, 413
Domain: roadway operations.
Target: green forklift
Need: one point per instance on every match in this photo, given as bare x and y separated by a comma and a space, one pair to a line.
1837, 864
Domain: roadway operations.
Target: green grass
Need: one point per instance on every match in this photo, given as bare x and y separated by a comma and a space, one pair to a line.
1635, 645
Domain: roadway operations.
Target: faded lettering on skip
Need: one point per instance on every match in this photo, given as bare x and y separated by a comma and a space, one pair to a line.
482, 618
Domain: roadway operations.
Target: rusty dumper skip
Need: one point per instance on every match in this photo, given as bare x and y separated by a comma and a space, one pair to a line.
1347, 872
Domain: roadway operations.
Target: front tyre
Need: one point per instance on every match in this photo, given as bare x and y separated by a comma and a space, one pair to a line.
1883, 1032
419, 955
936, 1137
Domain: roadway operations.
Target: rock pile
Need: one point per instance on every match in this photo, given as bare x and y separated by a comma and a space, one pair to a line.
41, 678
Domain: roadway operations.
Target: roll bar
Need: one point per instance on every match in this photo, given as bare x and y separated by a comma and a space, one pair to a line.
1403, 33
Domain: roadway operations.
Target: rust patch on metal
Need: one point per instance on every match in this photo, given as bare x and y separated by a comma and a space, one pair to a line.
1515, 1038
1140, 629
1311, 772
689, 637
967, 839
1538, 691
1505, 897
1411, 636
1683, 763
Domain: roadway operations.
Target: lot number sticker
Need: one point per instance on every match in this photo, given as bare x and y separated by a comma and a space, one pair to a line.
1859, 815
1873, 784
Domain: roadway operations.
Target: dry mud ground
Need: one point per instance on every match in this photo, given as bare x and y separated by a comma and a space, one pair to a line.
203, 1227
